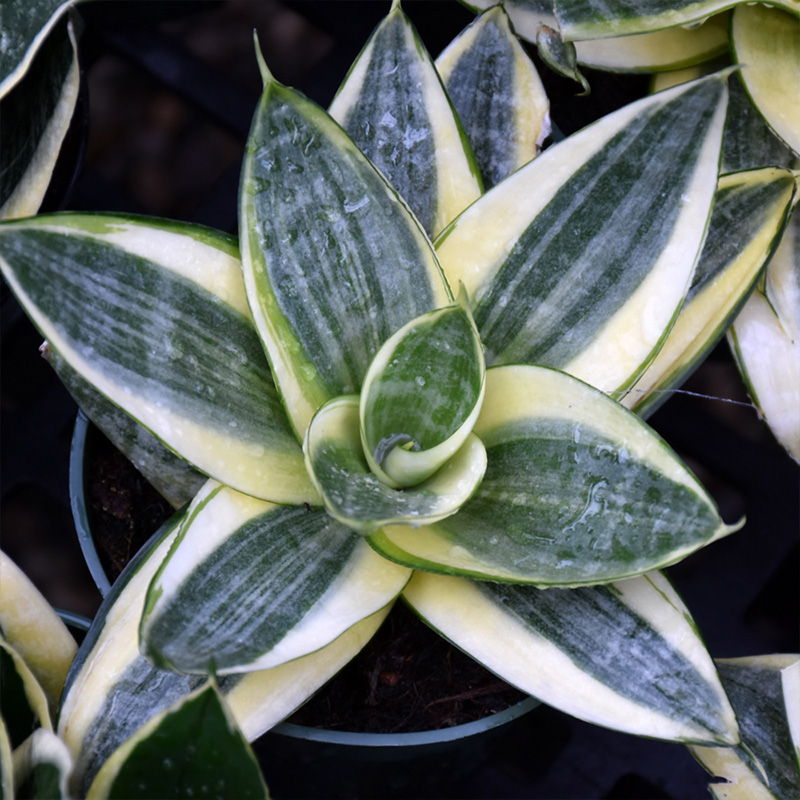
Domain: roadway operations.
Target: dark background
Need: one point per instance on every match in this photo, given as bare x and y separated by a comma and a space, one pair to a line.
167, 97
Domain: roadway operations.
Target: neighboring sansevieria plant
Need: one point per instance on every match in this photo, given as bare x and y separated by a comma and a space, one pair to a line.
397, 384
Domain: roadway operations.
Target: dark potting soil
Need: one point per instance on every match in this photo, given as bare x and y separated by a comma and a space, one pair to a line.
407, 678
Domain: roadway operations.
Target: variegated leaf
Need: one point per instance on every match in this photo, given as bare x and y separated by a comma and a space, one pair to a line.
659, 50
625, 656
193, 749
577, 491
167, 337
765, 765
35, 117
34, 630
26, 24
112, 690
765, 340
422, 395
593, 19
748, 217
334, 263
581, 259
172, 476
767, 41
748, 141
560, 56
250, 585
42, 767
23, 703
393, 105
6, 763
498, 95
356, 497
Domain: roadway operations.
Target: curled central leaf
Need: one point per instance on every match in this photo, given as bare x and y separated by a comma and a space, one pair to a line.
422, 396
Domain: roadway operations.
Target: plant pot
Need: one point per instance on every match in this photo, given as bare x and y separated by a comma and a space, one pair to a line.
434, 763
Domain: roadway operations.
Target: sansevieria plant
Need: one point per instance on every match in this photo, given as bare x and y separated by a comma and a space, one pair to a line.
399, 382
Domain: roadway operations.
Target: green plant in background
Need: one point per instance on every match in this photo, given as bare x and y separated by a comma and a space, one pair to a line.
400, 384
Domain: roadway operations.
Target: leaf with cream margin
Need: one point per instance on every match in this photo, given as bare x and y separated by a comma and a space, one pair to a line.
765, 341
748, 218
577, 490
393, 105
498, 95
26, 25
34, 630
357, 498
581, 259
625, 656
42, 767
334, 262
767, 41
112, 690
168, 337
422, 395
250, 585
23, 703
765, 765
193, 749
598, 19
35, 117
671, 48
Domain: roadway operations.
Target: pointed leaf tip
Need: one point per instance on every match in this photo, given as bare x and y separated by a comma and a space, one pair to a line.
266, 76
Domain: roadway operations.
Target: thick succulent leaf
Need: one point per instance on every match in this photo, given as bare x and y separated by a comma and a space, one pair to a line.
34, 630
23, 703
748, 141
174, 477
393, 105
580, 260
765, 764
356, 497
26, 24
673, 48
560, 56
593, 19
767, 41
167, 337
422, 395
6, 764
498, 95
577, 491
765, 340
112, 690
34, 121
527, 16
334, 263
625, 656
193, 749
790, 683
250, 585
748, 217
42, 766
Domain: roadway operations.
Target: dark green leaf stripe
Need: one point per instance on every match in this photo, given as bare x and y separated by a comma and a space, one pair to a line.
34, 120
26, 23
42, 767
626, 656
390, 121
748, 141
179, 357
550, 263
334, 264
748, 216
192, 750
283, 562
756, 694
497, 94
587, 621
527, 15
21, 704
